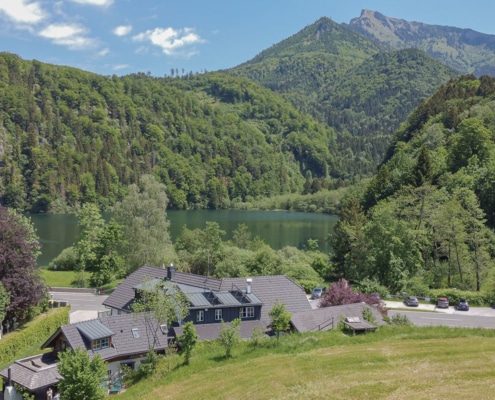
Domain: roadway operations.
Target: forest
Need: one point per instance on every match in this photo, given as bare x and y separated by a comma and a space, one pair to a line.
426, 219
68, 137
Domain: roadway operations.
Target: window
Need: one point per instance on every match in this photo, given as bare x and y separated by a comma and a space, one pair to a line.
135, 333
200, 316
128, 364
247, 312
100, 343
218, 314
163, 328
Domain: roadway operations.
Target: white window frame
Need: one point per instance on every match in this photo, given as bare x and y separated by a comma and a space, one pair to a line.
99, 344
200, 316
218, 314
246, 312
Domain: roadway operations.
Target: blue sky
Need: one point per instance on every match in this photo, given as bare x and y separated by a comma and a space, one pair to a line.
126, 36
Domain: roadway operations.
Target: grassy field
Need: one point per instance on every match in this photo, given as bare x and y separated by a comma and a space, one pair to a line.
58, 278
392, 363
68, 279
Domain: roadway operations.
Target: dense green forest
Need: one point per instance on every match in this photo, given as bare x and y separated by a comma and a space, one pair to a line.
69, 137
426, 218
350, 83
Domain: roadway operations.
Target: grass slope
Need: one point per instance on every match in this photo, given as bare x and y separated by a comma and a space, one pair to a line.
393, 363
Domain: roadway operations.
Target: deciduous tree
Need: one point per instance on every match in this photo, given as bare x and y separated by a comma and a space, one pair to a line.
230, 336
160, 304
188, 340
81, 377
145, 228
280, 318
19, 248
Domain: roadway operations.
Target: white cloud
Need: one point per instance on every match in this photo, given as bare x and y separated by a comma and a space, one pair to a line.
22, 11
120, 66
104, 52
72, 36
103, 3
171, 41
122, 30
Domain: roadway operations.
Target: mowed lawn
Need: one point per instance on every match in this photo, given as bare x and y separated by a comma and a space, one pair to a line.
395, 363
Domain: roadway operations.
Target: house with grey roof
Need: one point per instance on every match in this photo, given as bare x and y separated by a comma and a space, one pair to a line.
119, 340
213, 300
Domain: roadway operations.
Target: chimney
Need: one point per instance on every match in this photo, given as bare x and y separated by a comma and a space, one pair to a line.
9, 377
249, 282
170, 272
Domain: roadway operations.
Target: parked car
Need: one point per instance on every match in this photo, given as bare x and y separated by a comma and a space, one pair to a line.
318, 292
443, 302
411, 301
463, 305
375, 296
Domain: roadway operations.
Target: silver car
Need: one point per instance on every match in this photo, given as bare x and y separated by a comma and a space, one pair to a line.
411, 301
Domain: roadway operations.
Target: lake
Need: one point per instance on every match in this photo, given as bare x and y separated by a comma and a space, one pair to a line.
276, 228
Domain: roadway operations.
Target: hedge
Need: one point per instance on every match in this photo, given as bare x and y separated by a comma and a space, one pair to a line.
37, 331
474, 298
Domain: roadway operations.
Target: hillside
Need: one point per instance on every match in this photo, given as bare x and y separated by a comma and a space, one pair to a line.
70, 136
426, 218
464, 50
393, 363
345, 80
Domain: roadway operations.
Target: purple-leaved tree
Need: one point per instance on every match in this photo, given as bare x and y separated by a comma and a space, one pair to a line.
340, 293
19, 248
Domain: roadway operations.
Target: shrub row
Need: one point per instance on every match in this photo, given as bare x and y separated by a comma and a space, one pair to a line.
13, 345
474, 298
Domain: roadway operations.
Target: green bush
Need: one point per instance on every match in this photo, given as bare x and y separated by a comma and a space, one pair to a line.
308, 285
474, 298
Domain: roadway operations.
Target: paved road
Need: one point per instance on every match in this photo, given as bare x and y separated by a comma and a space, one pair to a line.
83, 306
429, 315
443, 319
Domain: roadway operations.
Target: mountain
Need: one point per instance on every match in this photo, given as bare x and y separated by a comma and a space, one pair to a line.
347, 81
69, 136
464, 50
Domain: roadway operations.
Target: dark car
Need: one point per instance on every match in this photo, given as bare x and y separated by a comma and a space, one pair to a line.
318, 292
463, 305
376, 297
443, 302
411, 301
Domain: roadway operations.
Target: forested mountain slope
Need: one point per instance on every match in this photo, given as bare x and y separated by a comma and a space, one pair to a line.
464, 50
427, 217
70, 136
345, 80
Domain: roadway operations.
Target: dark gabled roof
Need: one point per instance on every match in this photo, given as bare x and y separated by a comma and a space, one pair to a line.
199, 281
123, 295
269, 289
329, 317
266, 289
212, 331
123, 341
34, 372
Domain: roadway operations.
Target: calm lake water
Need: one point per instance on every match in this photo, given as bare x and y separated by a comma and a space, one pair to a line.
277, 228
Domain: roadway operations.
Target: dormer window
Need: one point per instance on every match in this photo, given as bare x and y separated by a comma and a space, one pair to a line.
246, 312
99, 344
